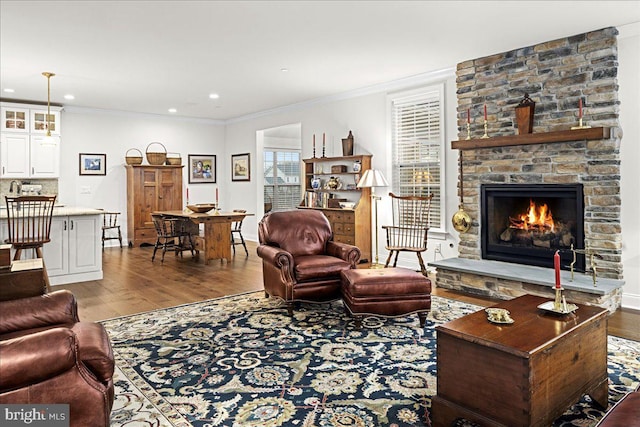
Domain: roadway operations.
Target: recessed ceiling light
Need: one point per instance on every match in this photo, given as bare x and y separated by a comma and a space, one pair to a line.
214, 96
284, 70
173, 110
9, 90
69, 96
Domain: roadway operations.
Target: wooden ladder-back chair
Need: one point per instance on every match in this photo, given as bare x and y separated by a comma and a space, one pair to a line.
410, 227
110, 226
29, 224
173, 235
236, 228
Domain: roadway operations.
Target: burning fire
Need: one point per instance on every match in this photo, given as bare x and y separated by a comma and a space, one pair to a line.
538, 218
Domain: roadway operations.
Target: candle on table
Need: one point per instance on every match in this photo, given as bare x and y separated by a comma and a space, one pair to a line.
187, 194
323, 140
580, 108
216, 196
314, 140
556, 265
485, 112
468, 115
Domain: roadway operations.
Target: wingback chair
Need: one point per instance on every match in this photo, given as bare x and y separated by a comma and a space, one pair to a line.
300, 261
48, 356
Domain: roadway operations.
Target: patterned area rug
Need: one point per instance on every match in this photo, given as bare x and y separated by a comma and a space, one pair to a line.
241, 361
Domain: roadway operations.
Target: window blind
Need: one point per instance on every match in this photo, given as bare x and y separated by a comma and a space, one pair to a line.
418, 142
282, 186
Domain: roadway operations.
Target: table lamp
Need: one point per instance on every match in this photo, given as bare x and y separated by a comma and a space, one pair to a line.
371, 179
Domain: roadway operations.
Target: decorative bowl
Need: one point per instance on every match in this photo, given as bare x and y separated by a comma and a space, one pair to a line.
347, 205
202, 208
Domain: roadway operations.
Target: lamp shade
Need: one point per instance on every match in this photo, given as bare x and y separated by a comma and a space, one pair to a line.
372, 178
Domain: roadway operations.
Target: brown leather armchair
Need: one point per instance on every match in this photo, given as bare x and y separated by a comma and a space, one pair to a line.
300, 261
48, 356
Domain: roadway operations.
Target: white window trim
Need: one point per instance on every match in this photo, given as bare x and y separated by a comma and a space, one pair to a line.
439, 233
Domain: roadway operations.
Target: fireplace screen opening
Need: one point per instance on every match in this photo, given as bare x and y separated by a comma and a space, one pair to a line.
527, 223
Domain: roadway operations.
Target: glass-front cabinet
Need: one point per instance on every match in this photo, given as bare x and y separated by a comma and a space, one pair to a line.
15, 119
40, 120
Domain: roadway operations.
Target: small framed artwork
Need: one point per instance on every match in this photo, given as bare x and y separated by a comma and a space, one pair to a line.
93, 164
202, 169
240, 167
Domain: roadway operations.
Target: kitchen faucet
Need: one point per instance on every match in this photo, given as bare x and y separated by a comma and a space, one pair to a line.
18, 185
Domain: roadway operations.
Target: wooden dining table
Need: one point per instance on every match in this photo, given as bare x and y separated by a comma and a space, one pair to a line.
217, 230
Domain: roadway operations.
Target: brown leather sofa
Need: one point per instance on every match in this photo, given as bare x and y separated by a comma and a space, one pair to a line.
48, 356
625, 413
300, 261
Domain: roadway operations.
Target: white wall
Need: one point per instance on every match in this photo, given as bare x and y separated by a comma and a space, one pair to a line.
111, 133
629, 95
366, 116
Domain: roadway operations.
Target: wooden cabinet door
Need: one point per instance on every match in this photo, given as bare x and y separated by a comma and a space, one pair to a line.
169, 189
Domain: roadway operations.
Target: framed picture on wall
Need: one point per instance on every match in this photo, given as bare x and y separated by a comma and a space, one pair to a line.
93, 164
202, 169
240, 167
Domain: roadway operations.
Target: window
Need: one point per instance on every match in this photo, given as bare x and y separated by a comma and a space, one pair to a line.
417, 132
282, 186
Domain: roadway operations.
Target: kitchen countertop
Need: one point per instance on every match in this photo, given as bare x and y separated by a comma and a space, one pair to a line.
62, 211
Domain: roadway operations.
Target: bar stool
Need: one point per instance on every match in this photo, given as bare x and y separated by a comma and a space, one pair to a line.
236, 228
110, 222
29, 223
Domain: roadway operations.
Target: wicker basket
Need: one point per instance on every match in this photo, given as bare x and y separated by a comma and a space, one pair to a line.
133, 160
174, 159
154, 157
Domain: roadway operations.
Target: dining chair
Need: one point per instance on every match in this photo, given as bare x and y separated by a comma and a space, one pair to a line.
173, 234
29, 223
109, 223
236, 228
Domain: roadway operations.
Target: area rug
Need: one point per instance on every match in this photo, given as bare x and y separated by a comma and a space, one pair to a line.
241, 361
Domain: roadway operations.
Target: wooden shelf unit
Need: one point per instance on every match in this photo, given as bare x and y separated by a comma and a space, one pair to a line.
533, 138
352, 226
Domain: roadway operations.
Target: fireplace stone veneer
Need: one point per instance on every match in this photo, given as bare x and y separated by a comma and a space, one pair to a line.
556, 75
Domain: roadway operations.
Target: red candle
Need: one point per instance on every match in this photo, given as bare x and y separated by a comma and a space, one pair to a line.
322, 139
187, 193
314, 140
580, 108
556, 265
216, 196
485, 112
468, 115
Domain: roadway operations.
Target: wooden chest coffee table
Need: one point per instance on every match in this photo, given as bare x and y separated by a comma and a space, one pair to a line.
522, 374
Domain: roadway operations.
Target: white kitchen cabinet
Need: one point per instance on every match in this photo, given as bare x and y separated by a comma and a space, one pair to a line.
25, 156
15, 119
74, 253
39, 121
22, 152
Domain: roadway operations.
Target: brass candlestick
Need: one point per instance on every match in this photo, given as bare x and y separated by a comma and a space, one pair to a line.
468, 131
580, 125
485, 130
557, 302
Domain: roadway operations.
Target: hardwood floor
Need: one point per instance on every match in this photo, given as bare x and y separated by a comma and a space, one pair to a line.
133, 284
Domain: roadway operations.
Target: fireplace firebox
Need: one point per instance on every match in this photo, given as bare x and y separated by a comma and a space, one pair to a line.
528, 223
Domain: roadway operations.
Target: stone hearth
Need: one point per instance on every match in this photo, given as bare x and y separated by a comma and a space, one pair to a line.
506, 280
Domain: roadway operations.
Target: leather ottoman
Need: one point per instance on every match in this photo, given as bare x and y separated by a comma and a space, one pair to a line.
625, 413
388, 292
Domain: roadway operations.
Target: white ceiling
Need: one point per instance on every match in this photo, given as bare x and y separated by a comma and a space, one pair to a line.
149, 56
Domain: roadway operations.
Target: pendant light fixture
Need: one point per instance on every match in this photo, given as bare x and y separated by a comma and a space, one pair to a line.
48, 139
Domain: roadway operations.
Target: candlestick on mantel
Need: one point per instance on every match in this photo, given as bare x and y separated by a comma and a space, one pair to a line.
485, 112
580, 116
468, 116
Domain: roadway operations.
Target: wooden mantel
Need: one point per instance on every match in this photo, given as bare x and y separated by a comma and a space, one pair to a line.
533, 138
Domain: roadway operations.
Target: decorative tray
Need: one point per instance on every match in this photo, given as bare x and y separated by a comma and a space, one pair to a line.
548, 306
499, 316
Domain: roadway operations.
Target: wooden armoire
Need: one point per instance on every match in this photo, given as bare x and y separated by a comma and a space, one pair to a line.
150, 189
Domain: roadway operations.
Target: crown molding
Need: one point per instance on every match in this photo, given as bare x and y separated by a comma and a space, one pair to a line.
394, 85
87, 110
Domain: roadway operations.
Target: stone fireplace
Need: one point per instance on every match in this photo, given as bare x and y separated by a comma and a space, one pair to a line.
583, 165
